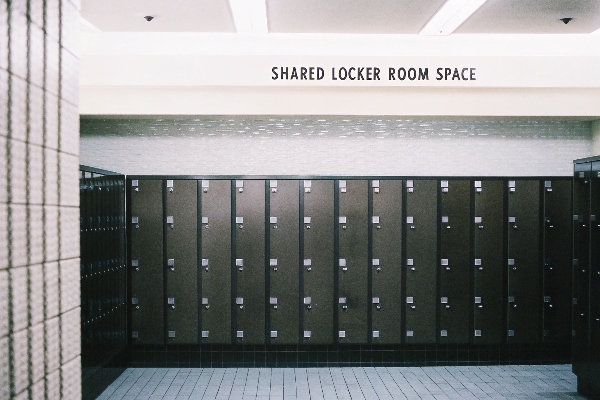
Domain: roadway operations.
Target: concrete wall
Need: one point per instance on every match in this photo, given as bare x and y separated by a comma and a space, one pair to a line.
39, 214
304, 145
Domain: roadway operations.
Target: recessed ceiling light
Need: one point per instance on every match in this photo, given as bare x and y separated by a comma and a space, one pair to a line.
148, 18
452, 14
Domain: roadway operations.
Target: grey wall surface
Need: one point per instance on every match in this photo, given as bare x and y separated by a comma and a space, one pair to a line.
39, 200
387, 146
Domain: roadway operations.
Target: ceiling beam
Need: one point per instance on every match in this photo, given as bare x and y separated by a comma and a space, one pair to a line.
452, 15
250, 16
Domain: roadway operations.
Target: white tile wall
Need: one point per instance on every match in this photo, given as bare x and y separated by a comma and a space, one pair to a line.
71, 338
36, 169
18, 172
51, 295
69, 241
18, 278
72, 378
53, 344
70, 285
36, 234
51, 229
18, 228
51, 120
384, 146
51, 175
21, 360
3, 236
3, 305
38, 351
69, 180
36, 299
4, 383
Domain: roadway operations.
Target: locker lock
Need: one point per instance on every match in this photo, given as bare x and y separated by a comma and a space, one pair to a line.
205, 303
171, 302
171, 264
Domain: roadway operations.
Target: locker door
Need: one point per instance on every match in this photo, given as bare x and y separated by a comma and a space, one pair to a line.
250, 261
353, 267
284, 261
318, 240
215, 264
557, 260
386, 272
581, 269
488, 262
147, 292
524, 291
182, 261
421, 261
454, 271
595, 271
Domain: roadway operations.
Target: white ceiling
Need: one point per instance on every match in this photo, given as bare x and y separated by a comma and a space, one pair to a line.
343, 16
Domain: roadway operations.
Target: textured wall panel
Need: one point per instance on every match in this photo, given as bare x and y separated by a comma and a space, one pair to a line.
382, 146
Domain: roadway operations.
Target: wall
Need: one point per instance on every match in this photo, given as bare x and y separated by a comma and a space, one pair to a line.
387, 146
596, 137
39, 232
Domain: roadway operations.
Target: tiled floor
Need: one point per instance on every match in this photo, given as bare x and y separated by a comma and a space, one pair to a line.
491, 382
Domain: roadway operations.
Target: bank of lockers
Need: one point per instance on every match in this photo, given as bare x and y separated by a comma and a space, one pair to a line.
324, 261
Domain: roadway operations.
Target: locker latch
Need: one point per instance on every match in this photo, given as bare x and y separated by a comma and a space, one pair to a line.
444, 186
135, 221
410, 262
511, 263
307, 186
343, 222
134, 184
170, 185
205, 303
273, 302
240, 222
478, 264
411, 301
548, 186
513, 221
478, 187
511, 299
171, 264
240, 302
445, 263
170, 221
512, 186
135, 302
444, 300
171, 302
308, 264
273, 186
375, 185
273, 222
376, 264
344, 304
446, 220
410, 186
410, 221
239, 185
273, 263
307, 303
239, 262
205, 264
343, 187
205, 222
375, 220
478, 302
205, 186
307, 221
376, 303
135, 265
342, 263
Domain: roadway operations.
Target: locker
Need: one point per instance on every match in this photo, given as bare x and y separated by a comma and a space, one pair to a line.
215, 261
318, 262
455, 274
182, 261
147, 292
421, 261
595, 270
523, 262
284, 211
488, 262
581, 269
386, 262
249, 228
557, 260
353, 264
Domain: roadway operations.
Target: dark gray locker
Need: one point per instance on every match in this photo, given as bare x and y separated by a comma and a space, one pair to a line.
353, 264
523, 262
284, 261
318, 261
215, 263
557, 260
386, 263
250, 261
488, 262
595, 270
581, 270
147, 292
182, 261
454, 265
421, 261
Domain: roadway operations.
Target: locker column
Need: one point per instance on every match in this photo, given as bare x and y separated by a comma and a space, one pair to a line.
146, 262
557, 258
386, 261
317, 242
283, 232
523, 262
581, 271
421, 261
182, 261
215, 261
249, 227
595, 273
488, 262
454, 267
353, 264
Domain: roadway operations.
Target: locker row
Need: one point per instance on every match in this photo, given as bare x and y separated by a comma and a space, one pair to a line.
103, 268
586, 275
321, 261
